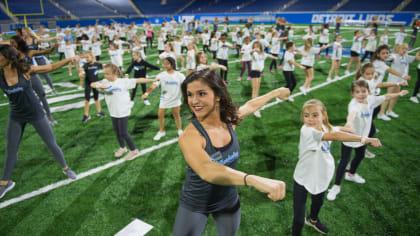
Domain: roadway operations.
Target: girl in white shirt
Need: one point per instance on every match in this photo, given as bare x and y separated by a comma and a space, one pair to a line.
356, 47
116, 55
324, 39
381, 68
275, 49
223, 55
257, 66
400, 63
246, 58
308, 61
96, 48
69, 52
170, 98
213, 46
169, 52
202, 64
315, 167
117, 98
336, 57
289, 67
191, 56
360, 113
383, 40
370, 46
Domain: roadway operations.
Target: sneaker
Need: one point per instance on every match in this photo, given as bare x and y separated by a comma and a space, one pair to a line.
180, 131
414, 99
101, 114
369, 154
249, 78
355, 178
6, 188
52, 121
262, 73
333, 192
392, 114
227, 83
131, 104
280, 66
303, 90
240, 78
131, 155
270, 71
80, 87
384, 117
319, 56
346, 72
120, 152
328, 79
377, 130
70, 74
418, 95
336, 78
317, 225
290, 99
257, 114
146, 102
159, 135
158, 62
70, 173
85, 119
328, 57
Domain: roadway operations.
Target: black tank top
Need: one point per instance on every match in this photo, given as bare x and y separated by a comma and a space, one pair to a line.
200, 196
33, 46
24, 105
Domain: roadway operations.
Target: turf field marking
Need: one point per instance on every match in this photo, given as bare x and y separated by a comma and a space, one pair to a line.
73, 105
82, 175
344, 64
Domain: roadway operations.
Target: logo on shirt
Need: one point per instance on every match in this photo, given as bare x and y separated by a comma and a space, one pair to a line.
218, 158
14, 90
325, 147
171, 83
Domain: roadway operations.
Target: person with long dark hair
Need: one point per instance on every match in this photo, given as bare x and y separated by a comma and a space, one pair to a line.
25, 108
211, 150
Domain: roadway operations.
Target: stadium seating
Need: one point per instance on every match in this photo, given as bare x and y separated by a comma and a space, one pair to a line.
85, 8
155, 7
311, 5
122, 6
50, 11
356, 5
264, 5
412, 6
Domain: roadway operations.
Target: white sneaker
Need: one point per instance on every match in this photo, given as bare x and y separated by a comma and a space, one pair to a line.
369, 154
384, 117
336, 78
377, 130
414, 99
146, 102
348, 166
346, 72
70, 74
80, 87
392, 114
333, 192
120, 152
418, 95
180, 132
355, 178
131, 104
257, 114
328, 79
303, 90
159, 135
158, 62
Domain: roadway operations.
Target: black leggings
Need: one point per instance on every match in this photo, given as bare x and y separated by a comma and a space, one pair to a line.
274, 61
416, 89
39, 90
61, 56
88, 88
14, 134
372, 131
149, 42
326, 50
41, 61
299, 207
345, 158
120, 128
290, 80
206, 48
133, 92
223, 73
366, 54
193, 223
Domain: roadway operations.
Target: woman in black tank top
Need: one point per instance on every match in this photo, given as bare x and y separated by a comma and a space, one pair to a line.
211, 151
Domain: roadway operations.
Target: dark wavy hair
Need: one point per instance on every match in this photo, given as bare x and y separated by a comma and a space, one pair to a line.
21, 44
228, 110
12, 55
378, 51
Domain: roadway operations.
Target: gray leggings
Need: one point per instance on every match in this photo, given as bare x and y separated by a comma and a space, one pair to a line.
41, 61
14, 135
189, 223
120, 128
39, 90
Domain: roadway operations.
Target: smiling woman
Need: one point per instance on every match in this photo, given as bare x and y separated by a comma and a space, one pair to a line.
211, 150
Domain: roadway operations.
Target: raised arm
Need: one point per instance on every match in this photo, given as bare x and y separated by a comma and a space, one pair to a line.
253, 105
392, 71
52, 67
144, 80
390, 96
296, 64
43, 52
149, 90
347, 137
192, 147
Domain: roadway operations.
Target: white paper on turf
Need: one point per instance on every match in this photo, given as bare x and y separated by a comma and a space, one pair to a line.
135, 228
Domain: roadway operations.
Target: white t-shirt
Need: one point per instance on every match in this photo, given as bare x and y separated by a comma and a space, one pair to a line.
117, 96
371, 44
164, 55
357, 44
213, 45
399, 37
380, 69
61, 46
190, 60
287, 65
400, 64
275, 45
309, 59
372, 83
116, 57
96, 48
245, 50
69, 51
383, 40
337, 51
257, 62
85, 45
325, 36
177, 47
363, 118
309, 36
206, 39
315, 168
161, 43
171, 94
223, 50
